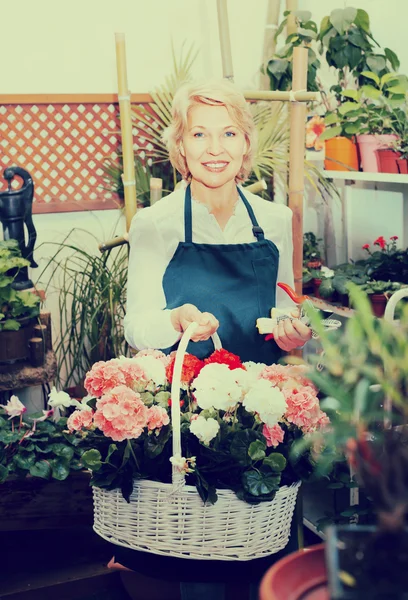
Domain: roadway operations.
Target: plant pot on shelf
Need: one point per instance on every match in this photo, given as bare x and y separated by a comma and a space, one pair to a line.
368, 146
316, 285
341, 155
390, 161
378, 304
14, 345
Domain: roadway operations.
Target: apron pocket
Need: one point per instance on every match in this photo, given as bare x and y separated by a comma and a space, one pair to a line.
266, 270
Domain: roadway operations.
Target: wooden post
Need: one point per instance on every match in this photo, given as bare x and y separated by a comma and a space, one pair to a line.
269, 44
291, 26
128, 177
297, 161
225, 42
156, 189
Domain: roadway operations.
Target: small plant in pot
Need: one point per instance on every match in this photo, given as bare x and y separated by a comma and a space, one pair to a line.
322, 283
18, 309
387, 263
339, 138
395, 158
312, 258
365, 370
379, 293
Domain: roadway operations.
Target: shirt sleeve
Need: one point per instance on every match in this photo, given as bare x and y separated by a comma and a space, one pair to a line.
285, 269
147, 323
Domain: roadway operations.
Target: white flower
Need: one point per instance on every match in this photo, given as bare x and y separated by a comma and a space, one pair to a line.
217, 387
204, 429
153, 368
83, 404
254, 369
326, 272
183, 465
266, 400
14, 408
56, 399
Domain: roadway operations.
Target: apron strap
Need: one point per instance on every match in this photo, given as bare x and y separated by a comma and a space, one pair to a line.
188, 222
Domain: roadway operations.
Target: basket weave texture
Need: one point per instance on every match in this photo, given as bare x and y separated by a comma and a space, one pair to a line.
170, 519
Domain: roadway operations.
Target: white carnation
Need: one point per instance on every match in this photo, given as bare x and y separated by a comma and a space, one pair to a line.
216, 387
204, 429
153, 367
254, 369
56, 399
266, 400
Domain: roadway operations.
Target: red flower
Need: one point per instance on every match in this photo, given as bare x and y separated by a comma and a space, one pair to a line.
394, 237
169, 402
380, 241
365, 247
223, 357
191, 368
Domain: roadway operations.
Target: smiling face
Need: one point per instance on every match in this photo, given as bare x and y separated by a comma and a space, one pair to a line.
212, 145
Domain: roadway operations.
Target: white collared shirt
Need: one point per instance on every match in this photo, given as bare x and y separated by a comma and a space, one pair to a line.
154, 235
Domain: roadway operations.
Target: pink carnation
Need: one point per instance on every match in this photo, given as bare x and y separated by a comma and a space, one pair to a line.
157, 417
274, 435
132, 373
80, 419
276, 374
303, 408
156, 354
120, 414
103, 377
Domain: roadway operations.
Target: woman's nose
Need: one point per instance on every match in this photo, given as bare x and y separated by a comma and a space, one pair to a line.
214, 146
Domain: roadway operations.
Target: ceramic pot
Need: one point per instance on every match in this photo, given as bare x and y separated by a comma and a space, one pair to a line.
341, 155
390, 161
378, 304
368, 146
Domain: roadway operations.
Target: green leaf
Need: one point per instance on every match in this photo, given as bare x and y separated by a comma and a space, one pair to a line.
331, 118
376, 63
371, 92
335, 486
260, 484
8, 437
275, 461
303, 15
257, 449
66, 452
60, 468
24, 461
331, 132
352, 128
372, 76
388, 77
41, 469
277, 66
154, 445
347, 107
342, 18
4, 472
325, 26
10, 325
92, 459
362, 20
393, 58
353, 94
111, 450
240, 446
326, 288
397, 89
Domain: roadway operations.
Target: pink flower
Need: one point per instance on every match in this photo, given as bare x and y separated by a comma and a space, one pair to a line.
394, 237
157, 417
156, 354
380, 241
80, 419
303, 409
104, 376
276, 374
120, 414
14, 408
274, 435
365, 247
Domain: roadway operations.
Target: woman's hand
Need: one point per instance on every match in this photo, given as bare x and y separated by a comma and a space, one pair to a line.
291, 334
182, 316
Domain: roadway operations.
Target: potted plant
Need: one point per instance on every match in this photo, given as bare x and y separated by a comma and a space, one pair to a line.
364, 381
18, 309
387, 263
311, 251
395, 158
379, 293
322, 283
339, 138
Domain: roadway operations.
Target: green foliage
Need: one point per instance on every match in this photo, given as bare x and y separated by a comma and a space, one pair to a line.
311, 247
91, 294
14, 304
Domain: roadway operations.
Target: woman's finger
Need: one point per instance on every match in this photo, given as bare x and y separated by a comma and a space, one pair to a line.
303, 330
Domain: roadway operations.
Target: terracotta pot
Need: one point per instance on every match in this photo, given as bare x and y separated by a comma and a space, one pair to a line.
390, 161
314, 264
14, 344
316, 285
378, 304
368, 145
298, 576
343, 154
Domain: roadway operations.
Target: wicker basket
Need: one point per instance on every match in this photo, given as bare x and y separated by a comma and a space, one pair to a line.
172, 520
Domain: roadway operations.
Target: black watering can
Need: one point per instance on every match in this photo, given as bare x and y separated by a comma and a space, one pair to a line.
15, 212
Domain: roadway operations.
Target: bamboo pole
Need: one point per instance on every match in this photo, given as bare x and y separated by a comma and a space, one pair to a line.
297, 162
156, 189
128, 176
269, 43
291, 26
225, 42
300, 96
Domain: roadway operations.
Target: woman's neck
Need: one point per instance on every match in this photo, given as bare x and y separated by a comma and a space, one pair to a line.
221, 199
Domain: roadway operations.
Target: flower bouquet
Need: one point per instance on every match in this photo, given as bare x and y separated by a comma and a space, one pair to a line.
224, 426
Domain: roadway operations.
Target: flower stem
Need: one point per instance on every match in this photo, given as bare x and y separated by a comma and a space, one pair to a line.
133, 455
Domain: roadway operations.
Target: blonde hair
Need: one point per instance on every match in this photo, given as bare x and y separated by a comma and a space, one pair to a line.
213, 93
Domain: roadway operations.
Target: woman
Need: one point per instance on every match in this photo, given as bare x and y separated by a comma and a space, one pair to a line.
211, 252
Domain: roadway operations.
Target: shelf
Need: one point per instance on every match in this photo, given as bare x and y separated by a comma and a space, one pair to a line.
360, 176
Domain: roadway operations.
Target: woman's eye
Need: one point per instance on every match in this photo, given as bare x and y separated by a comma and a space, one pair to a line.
230, 133
199, 134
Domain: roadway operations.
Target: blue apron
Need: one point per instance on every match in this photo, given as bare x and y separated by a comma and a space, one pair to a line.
234, 282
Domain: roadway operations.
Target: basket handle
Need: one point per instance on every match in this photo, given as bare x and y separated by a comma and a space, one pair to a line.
176, 385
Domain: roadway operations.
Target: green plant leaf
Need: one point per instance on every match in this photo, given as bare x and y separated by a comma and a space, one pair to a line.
397, 89
8, 437
326, 288
376, 63
393, 58
372, 76
275, 461
362, 20
4, 472
63, 450
256, 450
10, 325
342, 18
240, 446
24, 461
353, 94
277, 66
330, 133
347, 107
60, 468
371, 92
260, 484
41, 469
92, 459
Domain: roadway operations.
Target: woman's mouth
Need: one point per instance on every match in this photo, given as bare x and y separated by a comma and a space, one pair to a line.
215, 166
